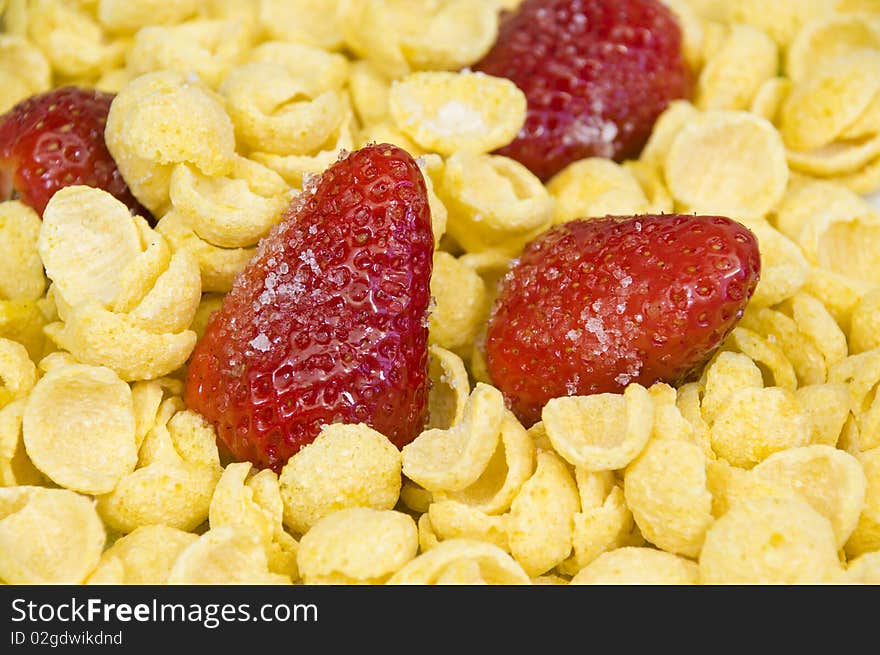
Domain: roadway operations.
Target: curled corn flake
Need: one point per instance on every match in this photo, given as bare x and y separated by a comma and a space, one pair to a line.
123, 16
866, 536
451, 519
819, 326
864, 569
427, 537
461, 301
144, 556
755, 423
767, 353
454, 458
740, 169
218, 266
16, 467
769, 541
603, 431
274, 110
782, 20
726, 373
87, 240
21, 267
824, 40
162, 119
230, 212
224, 555
638, 565
539, 525
345, 466
494, 202
369, 90
831, 480
312, 22
864, 325
447, 112
596, 186
24, 70
827, 405
450, 388
597, 529
774, 326
666, 490
359, 545
495, 566
745, 60
48, 536
79, 428
18, 375
666, 128
511, 464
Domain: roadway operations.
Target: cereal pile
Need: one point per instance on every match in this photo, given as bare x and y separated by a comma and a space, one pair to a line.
765, 469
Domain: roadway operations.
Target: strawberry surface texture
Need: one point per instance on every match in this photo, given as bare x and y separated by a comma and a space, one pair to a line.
595, 304
328, 322
56, 139
596, 75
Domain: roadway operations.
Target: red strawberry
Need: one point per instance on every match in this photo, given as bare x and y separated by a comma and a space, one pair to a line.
595, 304
56, 139
328, 322
596, 74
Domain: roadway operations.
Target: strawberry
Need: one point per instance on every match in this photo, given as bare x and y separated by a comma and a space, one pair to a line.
328, 322
56, 139
596, 74
595, 304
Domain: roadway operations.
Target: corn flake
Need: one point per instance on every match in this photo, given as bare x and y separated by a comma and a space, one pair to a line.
638, 565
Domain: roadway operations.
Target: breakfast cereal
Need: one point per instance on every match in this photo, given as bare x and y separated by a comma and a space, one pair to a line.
761, 466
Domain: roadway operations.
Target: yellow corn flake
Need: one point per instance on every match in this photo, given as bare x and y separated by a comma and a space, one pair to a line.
73, 413
864, 569
783, 20
24, 70
447, 112
769, 97
603, 431
23, 321
398, 36
638, 565
512, 463
230, 212
725, 374
727, 162
861, 373
827, 405
824, 40
864, 327
784, 268
461, 303
495, 566
650, 178
345, 466
770, 541
666, 128
123, 16
454, 459
732, 485
755, 423
224, 555
746, 59
203, 47
143, 557
781, 330
369, 89
767, 353
597, 529
16, 468
360, 545
144, 134
665, 488
87, 240
451, 519
450, 388
830, 480
48, 536
494, 202
218, 266
21, 268
866, 536
593, 187
818, 325
831, 99
415, 497
692, 29
838, 293
427, 537
539, 525
18, 374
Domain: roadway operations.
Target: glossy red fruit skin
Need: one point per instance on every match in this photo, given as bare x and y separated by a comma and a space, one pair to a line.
596, 75
594, 304
56, 139
328, 322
